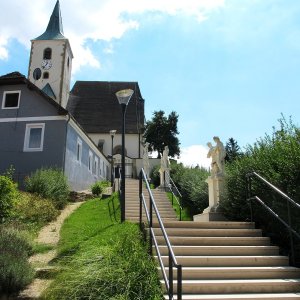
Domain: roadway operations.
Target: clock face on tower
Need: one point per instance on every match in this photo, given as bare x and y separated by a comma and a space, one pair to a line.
46, 64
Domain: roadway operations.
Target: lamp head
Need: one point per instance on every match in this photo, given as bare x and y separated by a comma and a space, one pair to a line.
112, 132
124, 96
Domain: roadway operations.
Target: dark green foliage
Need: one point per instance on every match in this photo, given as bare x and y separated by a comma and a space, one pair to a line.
8, 192
233, 150
98, 187
276, 157
15, 271
191, 183
51, 184
162, 131
155, 179
34, 210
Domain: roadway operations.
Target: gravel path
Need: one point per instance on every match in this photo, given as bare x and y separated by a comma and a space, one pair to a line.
48, 235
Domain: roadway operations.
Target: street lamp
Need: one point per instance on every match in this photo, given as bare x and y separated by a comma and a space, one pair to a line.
112, 134
123, 98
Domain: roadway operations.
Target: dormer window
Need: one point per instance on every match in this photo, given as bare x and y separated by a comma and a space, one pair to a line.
11, 99
47, 53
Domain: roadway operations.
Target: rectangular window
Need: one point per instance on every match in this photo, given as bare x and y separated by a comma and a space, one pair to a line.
11, 99
34, 137
79, 150
90, 166
96, 166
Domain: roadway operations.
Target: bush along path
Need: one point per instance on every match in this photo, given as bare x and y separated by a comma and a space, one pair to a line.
49, 237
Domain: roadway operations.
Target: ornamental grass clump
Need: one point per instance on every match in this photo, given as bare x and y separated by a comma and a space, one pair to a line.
50, 184
15, 270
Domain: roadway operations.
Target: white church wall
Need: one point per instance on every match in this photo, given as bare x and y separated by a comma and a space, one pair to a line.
131, 143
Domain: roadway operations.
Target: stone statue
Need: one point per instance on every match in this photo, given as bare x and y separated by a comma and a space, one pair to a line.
217, 154
164, 168
215, 182
146, 164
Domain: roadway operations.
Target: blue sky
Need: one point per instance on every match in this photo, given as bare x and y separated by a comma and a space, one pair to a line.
227, 67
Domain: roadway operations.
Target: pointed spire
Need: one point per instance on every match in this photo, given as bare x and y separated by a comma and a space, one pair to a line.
54, 29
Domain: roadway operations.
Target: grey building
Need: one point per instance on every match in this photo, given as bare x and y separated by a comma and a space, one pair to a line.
35, 132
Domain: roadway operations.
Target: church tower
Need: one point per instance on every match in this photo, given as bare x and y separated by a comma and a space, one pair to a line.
50, 61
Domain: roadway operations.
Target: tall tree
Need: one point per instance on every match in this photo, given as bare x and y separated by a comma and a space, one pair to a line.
233, 150
162, 131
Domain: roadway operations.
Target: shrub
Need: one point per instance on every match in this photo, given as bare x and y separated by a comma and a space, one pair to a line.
8, 192
51, 184
31, 208
191, 184
276, 157
15, 270
97, 188
155, 177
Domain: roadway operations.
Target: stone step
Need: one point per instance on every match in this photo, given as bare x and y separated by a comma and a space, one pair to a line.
239, 286
252, 296
229, 261
195, 232
221, 250
216, 224
283, 272
135, 219
214, 241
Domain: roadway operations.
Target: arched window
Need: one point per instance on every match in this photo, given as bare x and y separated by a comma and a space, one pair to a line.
118, 150
46, 75
47, 53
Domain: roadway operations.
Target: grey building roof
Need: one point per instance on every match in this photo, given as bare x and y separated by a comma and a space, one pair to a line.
95, 106
54, 29
18, 78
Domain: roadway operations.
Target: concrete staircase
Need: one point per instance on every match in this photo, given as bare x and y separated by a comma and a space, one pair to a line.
221, 260
132, 202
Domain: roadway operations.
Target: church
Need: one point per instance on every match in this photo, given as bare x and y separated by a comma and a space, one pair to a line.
44, 124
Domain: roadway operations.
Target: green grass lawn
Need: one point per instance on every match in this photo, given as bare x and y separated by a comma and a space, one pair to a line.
103, 259
185, 213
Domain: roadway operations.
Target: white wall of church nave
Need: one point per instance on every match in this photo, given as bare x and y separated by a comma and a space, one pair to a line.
131, 143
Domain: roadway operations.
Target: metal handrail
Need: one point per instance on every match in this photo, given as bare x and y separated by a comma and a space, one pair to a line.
289, 201
112, 211
169, 282
171, 185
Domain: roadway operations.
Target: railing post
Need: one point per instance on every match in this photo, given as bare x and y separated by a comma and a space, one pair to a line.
150, 225
170, 277
140, 196
292, 257
249, 194
179, 282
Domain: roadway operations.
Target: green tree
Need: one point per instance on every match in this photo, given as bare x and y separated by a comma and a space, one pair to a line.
233, 150
162, 131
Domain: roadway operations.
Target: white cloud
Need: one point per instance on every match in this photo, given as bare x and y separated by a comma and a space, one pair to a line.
3, 49
88, 20
195, 155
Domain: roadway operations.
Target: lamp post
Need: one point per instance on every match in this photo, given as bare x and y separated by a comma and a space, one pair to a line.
112, 134
123, 98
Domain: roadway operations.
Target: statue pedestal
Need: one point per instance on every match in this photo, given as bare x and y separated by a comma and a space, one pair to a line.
215, 189
164, 179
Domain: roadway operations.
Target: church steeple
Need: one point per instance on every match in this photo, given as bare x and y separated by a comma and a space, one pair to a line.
51, 60
54, 29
